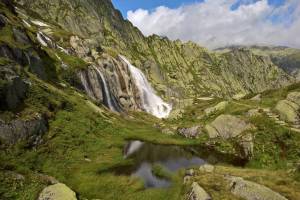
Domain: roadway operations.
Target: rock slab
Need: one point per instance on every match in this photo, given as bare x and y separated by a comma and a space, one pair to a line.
58, 191
198, 193
252, 191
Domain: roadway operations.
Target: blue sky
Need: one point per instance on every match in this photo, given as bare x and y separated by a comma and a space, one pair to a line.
217, 23
125, 5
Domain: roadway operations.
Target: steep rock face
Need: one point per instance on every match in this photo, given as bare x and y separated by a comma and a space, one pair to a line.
13, 87
177, 70
31, 130
107, 79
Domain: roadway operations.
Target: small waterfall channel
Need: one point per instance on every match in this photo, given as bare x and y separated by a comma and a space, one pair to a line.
106, 93
151, 103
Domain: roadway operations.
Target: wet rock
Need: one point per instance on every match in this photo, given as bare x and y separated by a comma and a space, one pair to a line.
31, 130
251, 191
58, 191
206, 168
227, 126
198, 193
219, 107
191, 132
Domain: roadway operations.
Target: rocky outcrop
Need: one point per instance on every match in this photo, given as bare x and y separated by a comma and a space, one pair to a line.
13, 87
228, 126
198, 193
31, 130
192, 132
289, 109
57, 191
251, 191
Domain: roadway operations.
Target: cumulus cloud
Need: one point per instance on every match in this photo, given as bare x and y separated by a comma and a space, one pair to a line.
216, 23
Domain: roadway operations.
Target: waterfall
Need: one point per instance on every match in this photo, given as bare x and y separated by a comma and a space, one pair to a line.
106, 92
151, 103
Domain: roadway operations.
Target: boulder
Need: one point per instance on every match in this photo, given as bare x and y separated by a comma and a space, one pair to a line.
206, 168
198, 193
191, 132
227, 126
294, 97
57, 191
251, 191
219, 107
288, 111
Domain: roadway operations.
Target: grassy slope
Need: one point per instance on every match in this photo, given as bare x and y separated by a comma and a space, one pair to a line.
80, 131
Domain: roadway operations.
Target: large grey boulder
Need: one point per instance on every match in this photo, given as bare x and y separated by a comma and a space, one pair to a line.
251, 191
289, 109
227, 126
198, 193
57, 191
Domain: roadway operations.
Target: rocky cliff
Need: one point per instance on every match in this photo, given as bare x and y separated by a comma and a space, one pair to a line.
80, 43
177, 70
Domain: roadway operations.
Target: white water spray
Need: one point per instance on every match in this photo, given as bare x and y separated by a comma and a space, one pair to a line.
151, 103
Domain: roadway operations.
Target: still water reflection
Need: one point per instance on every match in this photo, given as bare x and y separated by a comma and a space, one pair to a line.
146, 155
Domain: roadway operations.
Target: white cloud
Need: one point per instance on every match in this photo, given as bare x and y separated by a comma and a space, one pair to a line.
213, 23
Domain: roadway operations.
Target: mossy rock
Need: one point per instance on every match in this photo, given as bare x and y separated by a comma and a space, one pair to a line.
58, 191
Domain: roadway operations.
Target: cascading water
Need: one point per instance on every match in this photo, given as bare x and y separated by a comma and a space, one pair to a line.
106, 95
151, 103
